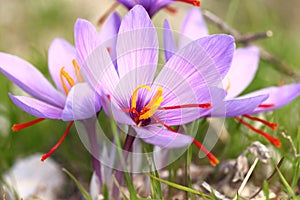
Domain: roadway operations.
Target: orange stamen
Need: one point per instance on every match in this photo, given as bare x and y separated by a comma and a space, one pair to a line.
77, 71
65, 76
45, 156
273, 140
193, 2
135, 94
213, 160
153, 105
17, 127
228, 86
269, 124
204, 105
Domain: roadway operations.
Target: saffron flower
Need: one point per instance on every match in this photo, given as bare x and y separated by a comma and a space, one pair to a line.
182, 91
240, 75
48, 102
152, 6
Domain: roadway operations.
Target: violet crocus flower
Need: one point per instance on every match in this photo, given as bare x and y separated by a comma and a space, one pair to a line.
48, 102
152, 6
240, 75
182, 91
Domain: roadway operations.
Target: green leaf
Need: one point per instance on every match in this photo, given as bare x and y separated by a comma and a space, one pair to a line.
86, 195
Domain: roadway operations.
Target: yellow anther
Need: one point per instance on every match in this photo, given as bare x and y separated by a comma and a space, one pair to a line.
135, 94
68, 78
152, 110
153, 105
155, 98
77, 71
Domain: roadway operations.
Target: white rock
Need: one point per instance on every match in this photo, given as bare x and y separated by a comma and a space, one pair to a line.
32, 178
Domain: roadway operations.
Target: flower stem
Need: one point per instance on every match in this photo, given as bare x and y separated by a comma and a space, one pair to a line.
90, 126
126, 149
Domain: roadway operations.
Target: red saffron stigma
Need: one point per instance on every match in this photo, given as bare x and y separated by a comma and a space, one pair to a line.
45, 156
273, 140
193, 2
273, 126
108, 50
17, 127
266, 105
204, 105
213, 160
171, 9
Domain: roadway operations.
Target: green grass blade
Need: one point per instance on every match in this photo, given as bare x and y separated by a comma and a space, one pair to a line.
105, 192
296, 173
180, 187
157, 186
286, 185
80, 187
266, 190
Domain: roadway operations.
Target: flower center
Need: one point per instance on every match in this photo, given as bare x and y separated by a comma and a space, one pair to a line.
65, 77
142, 116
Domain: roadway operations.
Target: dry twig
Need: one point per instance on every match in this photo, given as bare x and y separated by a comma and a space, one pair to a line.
289, 138
247, 39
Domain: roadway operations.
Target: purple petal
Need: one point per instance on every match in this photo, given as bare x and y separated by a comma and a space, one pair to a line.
278, 96
237, 107
128, 3
192, 28
162, 137
137, 47
169, 42
111, 27
29, 79
109, 35
111, 108
157, 5
152, 6
60, 54
36, 108
86, 39
120, 116
99, 71
82, 103
220, 49
191, 71
242, 71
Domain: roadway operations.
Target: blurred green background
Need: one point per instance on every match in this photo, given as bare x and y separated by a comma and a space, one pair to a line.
27, 28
